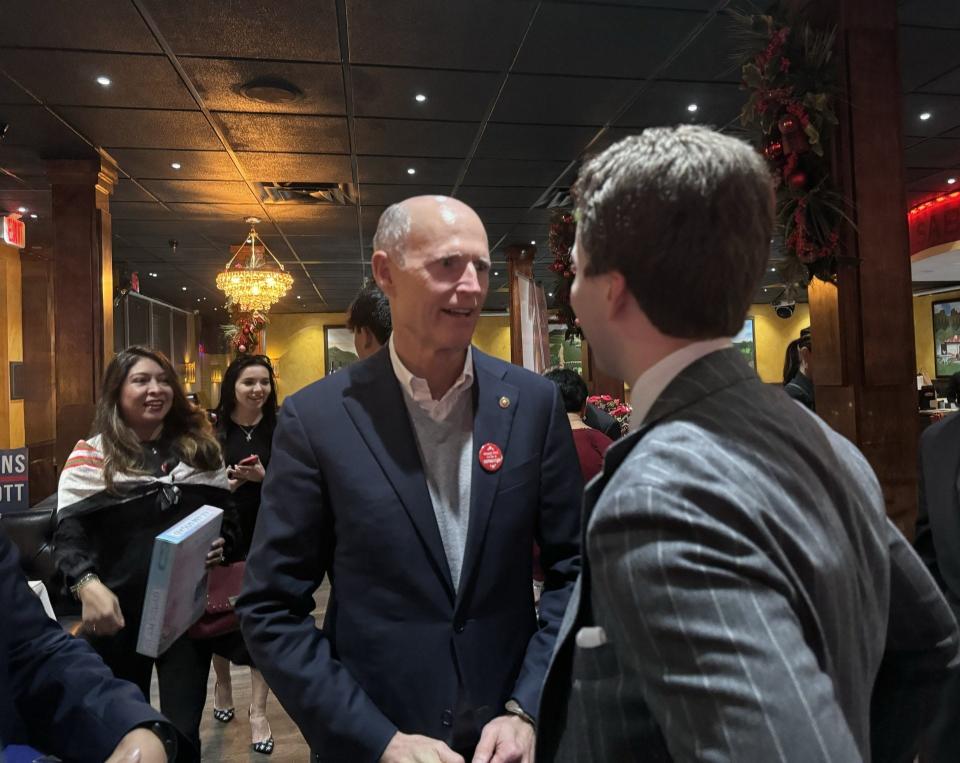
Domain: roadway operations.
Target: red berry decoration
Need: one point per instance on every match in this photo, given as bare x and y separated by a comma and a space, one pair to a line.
798, 180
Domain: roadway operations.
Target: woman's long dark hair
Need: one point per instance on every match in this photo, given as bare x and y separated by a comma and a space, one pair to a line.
791, 361
185, 425
228, 393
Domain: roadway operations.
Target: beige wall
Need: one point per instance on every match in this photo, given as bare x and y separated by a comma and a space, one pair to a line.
295, 344
773, 334
11, 346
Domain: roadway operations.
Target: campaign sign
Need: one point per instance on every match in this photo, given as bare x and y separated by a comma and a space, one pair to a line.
14, 495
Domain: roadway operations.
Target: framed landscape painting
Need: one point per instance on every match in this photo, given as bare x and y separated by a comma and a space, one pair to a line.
338, 349
746, 342
946, 337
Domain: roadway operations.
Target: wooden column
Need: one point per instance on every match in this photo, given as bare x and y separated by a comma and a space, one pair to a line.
862, 328
519, 263
83, 291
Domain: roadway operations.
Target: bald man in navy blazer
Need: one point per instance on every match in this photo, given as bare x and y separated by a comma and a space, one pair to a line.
417, 480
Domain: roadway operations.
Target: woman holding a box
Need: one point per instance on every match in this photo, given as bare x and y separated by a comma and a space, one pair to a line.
152, 461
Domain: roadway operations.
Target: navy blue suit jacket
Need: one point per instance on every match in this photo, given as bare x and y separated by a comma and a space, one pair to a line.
345, 496
55, 691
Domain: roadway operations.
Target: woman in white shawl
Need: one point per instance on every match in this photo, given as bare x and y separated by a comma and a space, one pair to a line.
151, 461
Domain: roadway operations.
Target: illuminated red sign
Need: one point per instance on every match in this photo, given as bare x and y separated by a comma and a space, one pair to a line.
935, 222
14, 232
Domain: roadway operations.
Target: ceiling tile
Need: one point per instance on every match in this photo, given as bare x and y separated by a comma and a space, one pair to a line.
711, 56
127, 190
382, 195
479, 196
289, 168
68, 78
507, 141
944, 111
935, 153
561, 100
926, 54
136, 210
141, 128
218, 81
390, 169
35, 128
949, 83
109, 25
506, 172
204, 191
394, 137
303, 30
935, 13
289, 132
236, 212
406, 34
666, 103
603, 40
452, 95
194, 165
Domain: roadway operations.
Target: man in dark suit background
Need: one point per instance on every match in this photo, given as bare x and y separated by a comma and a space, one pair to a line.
418, 480
938, 543
56, 693
743, 595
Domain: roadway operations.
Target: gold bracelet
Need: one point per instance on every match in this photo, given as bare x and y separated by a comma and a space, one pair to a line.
87, 577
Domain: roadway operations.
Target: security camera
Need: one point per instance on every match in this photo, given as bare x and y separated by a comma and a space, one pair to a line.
784, 308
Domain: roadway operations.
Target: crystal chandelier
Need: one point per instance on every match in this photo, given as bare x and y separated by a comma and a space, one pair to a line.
251, 280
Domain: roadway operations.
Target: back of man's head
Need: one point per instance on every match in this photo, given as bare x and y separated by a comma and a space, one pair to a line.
686, 215
573, 389
370, 310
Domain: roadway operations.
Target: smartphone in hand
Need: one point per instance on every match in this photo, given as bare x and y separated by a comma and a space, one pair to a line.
248, 461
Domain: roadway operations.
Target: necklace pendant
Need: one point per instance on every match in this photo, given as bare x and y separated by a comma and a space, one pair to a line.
249, 436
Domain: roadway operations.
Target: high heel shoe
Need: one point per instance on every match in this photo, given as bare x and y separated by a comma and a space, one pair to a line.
224, 715
264, 747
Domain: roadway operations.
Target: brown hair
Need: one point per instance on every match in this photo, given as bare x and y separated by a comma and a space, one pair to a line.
686, 215
186, 426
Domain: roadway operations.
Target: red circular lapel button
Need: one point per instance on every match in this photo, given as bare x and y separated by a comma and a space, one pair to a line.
491, 457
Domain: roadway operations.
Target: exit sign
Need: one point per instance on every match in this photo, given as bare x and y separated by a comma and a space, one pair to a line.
14, 232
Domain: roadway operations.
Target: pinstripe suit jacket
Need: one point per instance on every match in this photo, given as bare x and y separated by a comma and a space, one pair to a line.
739, 561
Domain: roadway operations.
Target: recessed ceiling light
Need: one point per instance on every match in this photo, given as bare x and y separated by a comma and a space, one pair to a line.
411, 171
175, 165
152, 275
925, 116
534, 243
550, 294
298, 296
773, 270
496, 272
33, 215
105, 81
21, 210
692, 107
198, 299
420, 97
951, 181
183, 288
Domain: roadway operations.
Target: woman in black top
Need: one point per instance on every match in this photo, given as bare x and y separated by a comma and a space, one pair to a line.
246, 418
151, 462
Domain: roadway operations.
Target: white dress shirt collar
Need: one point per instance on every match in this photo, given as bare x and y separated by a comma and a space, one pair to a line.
417, 389
653, 381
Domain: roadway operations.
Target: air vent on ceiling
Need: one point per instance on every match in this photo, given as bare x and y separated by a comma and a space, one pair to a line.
273, 90
336, 194
554, 198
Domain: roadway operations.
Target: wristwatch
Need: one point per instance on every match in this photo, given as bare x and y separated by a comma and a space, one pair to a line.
513, 707
166, 734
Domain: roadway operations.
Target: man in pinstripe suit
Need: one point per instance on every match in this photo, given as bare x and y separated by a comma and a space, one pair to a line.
743, 596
